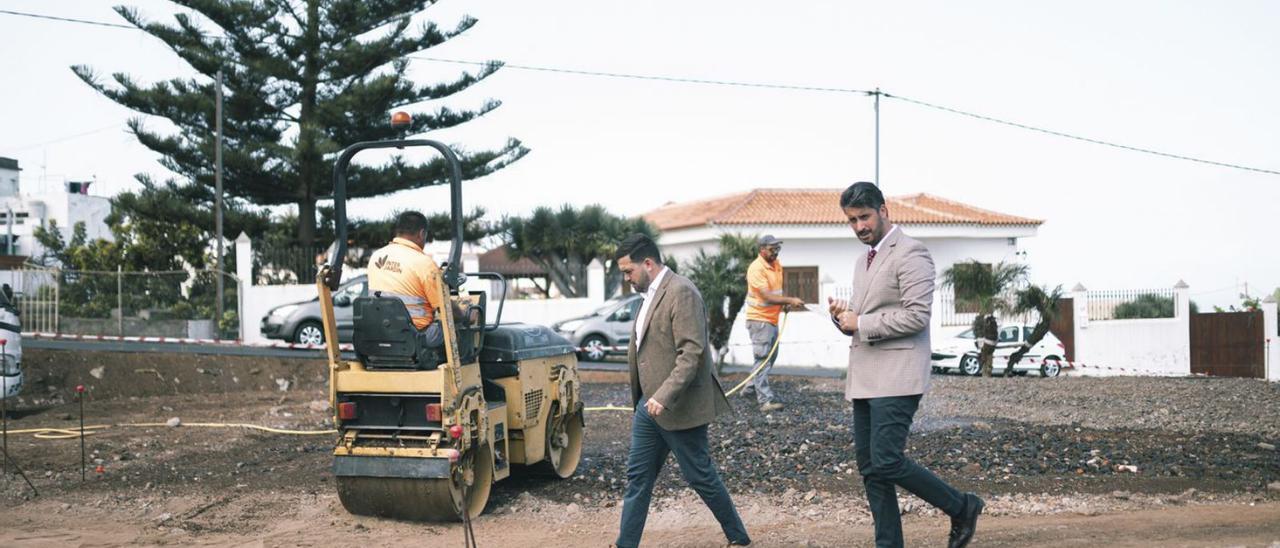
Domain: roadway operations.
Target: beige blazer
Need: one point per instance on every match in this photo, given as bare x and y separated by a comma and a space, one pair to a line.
673, 364
889, 354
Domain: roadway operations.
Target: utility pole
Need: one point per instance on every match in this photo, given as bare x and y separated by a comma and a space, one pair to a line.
217, 215
877, 137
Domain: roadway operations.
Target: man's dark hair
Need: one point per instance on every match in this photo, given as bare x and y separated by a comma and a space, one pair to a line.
410, 223
862, 194
638, 247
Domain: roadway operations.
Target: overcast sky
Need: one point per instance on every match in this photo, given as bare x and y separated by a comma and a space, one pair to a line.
1192, 78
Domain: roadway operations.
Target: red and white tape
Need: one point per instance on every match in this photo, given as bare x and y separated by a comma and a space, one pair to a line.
1080, 365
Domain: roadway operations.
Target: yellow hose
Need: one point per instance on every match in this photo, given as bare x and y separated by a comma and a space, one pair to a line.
72, 433
782, 326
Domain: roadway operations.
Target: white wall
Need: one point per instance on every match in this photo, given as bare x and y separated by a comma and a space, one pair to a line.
1149, 346
810, 339
1269, 322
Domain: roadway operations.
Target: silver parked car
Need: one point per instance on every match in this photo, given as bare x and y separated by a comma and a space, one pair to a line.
300, 322
609, 326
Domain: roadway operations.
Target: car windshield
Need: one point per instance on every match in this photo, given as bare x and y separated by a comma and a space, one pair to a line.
608, 306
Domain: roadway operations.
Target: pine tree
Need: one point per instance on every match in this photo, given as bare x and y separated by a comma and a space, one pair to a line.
302, 80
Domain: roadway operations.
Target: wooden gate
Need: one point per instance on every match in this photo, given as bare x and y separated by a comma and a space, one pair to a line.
1228, 344
1064, 328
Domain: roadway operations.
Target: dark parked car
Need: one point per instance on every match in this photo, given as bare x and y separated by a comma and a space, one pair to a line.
300, 322
609, 325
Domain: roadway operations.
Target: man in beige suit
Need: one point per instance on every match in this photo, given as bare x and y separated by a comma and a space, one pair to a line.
674, 391
888, 317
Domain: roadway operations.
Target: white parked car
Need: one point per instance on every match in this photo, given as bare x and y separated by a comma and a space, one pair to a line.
11, 334
961, 353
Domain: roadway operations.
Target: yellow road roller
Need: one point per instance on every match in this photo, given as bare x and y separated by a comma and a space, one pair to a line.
423, 433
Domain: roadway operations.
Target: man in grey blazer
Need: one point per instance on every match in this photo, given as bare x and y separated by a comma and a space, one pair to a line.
674, 391
888, 317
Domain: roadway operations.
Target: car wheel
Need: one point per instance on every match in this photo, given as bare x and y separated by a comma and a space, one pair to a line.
1051, 367
310, 332
593, 348
969, 365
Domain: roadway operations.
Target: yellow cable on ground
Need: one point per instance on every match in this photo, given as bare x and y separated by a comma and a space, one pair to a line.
782, 326
734, 390
72, 433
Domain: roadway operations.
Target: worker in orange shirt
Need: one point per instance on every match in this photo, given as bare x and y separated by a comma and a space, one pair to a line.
401, 269
765, 301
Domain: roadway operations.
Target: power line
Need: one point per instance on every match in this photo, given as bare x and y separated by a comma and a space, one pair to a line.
61, 139
652, 77
68, 19
1079, 138
762, 85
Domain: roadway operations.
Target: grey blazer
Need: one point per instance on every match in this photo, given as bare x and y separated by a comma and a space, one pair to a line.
889, 354
673, 364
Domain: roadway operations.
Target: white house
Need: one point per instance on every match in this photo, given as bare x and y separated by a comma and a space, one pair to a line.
820, 251
21, 213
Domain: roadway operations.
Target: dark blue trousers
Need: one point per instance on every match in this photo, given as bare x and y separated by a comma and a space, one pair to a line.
649, 447
880, 427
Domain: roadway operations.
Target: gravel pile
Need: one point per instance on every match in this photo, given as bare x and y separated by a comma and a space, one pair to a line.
1021, 435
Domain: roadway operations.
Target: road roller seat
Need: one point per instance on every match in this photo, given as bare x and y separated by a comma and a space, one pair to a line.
384, 336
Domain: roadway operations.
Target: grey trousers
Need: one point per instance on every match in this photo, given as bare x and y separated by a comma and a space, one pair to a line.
763, 334
432, 335
880, 428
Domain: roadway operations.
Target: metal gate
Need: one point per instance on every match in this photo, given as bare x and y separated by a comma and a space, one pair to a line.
1228, 344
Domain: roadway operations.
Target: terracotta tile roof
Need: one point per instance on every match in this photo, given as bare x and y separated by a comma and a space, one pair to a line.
819, 206
496, 260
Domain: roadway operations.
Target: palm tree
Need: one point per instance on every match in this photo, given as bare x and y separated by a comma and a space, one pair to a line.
721, 277
983, 285
1044, 303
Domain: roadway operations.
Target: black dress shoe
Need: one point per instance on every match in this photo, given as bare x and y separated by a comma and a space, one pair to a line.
963, 526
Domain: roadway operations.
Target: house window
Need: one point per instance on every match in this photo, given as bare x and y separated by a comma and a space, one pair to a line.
802, 282
966, 298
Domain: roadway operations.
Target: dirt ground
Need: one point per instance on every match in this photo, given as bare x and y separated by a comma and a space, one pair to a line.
224, 486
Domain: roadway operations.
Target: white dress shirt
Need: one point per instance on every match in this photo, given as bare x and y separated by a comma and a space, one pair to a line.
644, 308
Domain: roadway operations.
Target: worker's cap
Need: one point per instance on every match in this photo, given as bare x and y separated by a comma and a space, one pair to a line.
768, 240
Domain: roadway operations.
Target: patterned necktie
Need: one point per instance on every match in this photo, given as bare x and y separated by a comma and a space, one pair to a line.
870, 256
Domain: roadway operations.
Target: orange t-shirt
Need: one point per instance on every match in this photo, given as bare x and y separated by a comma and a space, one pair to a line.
401, 269
763, 279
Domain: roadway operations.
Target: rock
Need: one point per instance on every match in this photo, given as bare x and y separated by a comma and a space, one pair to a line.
1122, 495
1127, 468
66, 506
1274, 486
982, 425
98, 371
319, 406
164, 517
283, 384
65, 416
572, 508
1267, 446
174, 422
972, 468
